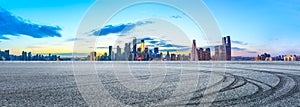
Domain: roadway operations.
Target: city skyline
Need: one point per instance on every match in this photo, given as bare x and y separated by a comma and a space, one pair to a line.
139, 51
252, 33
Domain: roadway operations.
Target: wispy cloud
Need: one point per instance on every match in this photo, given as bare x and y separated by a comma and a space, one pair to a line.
122, 28
239, 42
176, 17
102, 47
252, 52
73, 39
238, 49
16, 26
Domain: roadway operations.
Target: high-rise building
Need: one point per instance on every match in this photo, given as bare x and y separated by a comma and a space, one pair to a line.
156, 50
204, 54
6, 54
126, 51
142, 45
110, 56
207, 55
173, 57
220, 52
223, 52
118, 54
228, 48
24, 56
1, 55
134, 49
201, 54
194, 52
29, 56
93, 56
168, 58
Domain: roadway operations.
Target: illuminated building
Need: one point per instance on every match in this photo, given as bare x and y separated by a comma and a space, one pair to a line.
142, 45
290, 58
204, 54
93, 56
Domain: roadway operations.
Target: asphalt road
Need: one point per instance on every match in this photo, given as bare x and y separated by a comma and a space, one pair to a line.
150, 84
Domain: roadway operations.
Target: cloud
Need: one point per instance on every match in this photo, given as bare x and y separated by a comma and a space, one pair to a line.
73, 39
16, 26
238, 49
122, 28
239, 42
102, 47
173, 45
176, 17
251, 52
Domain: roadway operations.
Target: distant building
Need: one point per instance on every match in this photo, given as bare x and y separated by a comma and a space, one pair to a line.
290, 58
93, 56
220, 52
142, 45
264, 57
118, 54
110, 53
194, 52
156, 52
204, 54
24, 56
173, 57
223, 52
134, 51
4, 55
168, 57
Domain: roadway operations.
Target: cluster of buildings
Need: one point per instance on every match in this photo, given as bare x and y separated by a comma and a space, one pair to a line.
4, 55
267, 57
135, 53
222, 52
143, 53
27, 56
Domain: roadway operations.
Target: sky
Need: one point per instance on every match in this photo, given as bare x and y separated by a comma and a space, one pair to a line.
51, 26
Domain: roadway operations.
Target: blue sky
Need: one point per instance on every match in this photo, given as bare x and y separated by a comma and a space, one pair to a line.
256, 26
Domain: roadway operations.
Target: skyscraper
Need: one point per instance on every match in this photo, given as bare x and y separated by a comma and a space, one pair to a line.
168, 57
207, 55
228, 48
110, 57
134, 49
6, 54
194, 53
93, 56
24, 56
126, 51
156, 52
142, 45
204, 54
29, 56
201, 54
223, 52
118, 54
